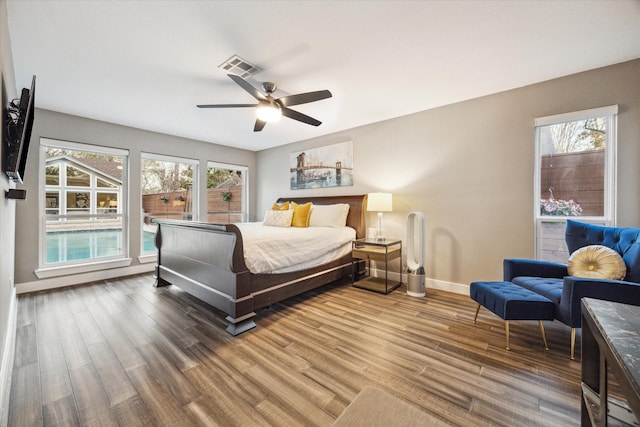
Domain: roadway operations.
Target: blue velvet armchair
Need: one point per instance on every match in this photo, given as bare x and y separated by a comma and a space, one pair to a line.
553, 281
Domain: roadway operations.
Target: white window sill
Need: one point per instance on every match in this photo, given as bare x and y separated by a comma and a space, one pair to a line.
46, 272
145, 259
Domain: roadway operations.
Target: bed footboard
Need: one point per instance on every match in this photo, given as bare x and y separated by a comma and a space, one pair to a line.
206, 261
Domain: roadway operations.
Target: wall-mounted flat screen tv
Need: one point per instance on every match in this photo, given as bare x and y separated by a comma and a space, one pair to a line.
19, 122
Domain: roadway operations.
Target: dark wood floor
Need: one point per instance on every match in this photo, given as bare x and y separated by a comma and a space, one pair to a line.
121, 352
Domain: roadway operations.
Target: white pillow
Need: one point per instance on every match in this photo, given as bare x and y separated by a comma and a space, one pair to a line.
329, 215
278, 218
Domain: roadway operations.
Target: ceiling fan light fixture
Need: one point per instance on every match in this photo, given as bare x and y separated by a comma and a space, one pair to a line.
269, 113
271, 109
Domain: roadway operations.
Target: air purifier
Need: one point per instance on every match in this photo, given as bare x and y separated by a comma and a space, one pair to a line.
415, 254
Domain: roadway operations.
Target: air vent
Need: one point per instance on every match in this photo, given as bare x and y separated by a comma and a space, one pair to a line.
238, 66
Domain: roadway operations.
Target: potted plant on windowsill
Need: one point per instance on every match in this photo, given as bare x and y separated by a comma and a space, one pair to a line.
164, 199
226, 196
559, 207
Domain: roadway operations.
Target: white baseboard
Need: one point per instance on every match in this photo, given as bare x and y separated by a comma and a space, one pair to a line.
441, 285
6, 369
78, 279
456, 288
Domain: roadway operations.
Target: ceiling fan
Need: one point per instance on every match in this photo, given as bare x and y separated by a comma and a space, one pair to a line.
270, 109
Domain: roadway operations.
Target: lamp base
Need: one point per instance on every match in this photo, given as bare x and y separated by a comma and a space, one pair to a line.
379, 236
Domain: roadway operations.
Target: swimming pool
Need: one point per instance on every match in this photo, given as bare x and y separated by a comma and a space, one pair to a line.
89, 244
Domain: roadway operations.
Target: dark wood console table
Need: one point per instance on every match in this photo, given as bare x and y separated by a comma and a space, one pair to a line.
610, 345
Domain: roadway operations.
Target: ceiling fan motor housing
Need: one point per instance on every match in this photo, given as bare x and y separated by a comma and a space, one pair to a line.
269, 87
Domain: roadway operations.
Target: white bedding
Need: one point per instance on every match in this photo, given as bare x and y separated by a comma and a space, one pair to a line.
283, 249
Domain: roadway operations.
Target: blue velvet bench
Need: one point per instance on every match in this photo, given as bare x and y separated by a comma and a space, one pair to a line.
512, 302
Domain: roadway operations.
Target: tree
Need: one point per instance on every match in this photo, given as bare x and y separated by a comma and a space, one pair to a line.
581, 135
165, 177
217, 176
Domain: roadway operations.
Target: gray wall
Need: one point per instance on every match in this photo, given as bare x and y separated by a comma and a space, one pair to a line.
7, 222
55, 125
469, 168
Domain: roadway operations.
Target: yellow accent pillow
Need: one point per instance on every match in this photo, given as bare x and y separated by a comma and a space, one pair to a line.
597, 262
301, 214
282, 207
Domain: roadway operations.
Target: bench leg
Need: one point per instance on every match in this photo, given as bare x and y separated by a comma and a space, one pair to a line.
573, 341
476, 316
544, 337
506, 331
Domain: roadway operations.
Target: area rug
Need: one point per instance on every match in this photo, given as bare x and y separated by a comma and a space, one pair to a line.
375, 408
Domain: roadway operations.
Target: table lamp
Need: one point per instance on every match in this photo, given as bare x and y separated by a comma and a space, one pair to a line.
379, 202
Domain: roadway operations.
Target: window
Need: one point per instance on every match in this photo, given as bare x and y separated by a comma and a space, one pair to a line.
226, 193
84, 219
575, 175
168, 186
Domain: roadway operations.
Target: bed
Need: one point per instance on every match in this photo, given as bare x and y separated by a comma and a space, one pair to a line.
207, 261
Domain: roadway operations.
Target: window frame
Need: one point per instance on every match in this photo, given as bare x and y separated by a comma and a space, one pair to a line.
610, 173
151, 256
46, 270
245, 185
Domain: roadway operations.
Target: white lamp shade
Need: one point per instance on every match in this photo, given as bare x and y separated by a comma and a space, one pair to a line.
379, 202
268, 113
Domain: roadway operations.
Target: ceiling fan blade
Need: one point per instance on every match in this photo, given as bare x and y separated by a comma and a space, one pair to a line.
248, 87
303, 98
292, 114
259, 125
226, 105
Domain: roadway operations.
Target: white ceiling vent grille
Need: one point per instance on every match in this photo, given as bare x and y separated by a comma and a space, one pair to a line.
238, 66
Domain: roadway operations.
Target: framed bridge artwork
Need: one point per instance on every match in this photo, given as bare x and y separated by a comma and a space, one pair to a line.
328, 166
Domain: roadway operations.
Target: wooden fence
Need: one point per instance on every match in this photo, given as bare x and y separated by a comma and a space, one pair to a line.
218, 210
577, 176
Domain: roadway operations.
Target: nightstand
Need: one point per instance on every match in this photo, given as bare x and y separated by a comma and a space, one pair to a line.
367, 250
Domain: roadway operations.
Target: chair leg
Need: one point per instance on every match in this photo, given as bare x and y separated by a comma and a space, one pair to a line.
573, 341
506, 331
476, 316
544, 337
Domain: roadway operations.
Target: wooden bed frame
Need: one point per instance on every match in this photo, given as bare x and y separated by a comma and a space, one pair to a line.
207, 261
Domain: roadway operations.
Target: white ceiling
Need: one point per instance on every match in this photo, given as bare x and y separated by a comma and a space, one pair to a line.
147, 64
